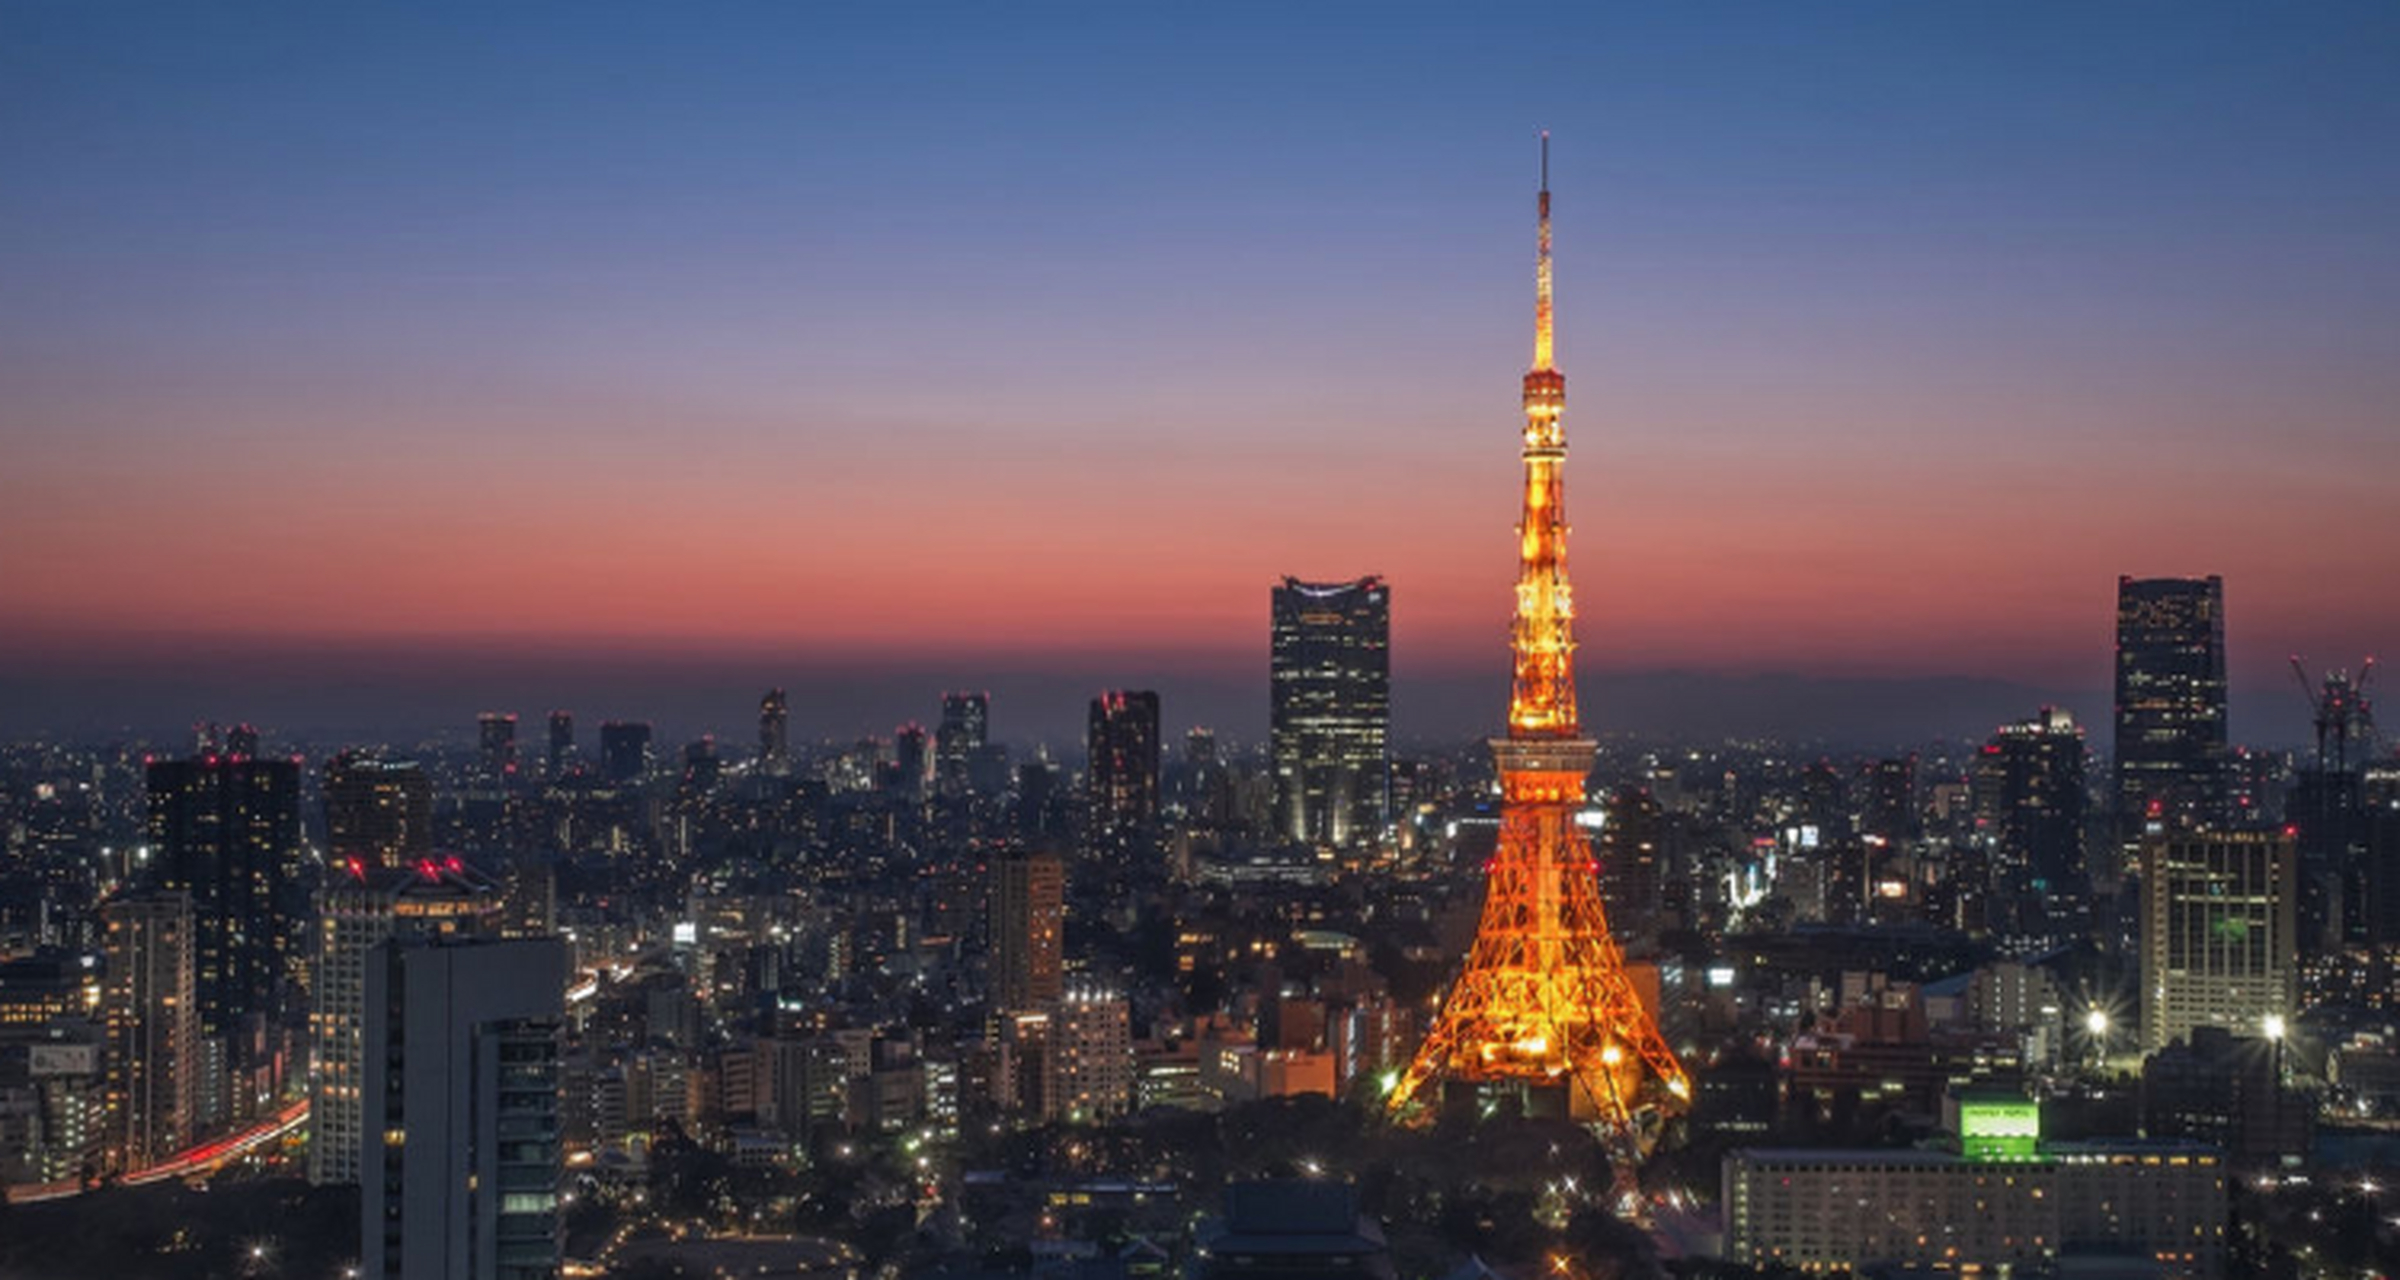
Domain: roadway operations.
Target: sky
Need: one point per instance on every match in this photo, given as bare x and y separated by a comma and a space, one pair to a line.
387, 362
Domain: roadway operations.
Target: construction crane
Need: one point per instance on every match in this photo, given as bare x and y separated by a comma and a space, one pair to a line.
2343, 713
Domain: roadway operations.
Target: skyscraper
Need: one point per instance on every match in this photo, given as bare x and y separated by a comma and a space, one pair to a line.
1123, 744
153, 1033
624, 750
2219, 944
377, 810
562, 742
359, 908
2029, 815
461, 1085
775, 734
1029, 892
964, 730
912, 760
226, 830
496, 738
1332, 709
2170, 748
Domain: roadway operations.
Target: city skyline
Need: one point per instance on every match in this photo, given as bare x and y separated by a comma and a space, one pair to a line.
1874, 391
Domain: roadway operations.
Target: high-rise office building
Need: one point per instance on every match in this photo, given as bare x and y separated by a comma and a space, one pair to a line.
226, 830
2170, 748
2219, 945
912, 760
359, 908
1331, 681
153, 1030
2029, 816
461, 1090
701, 766
624, 750
1123, 745
1630, 851
965, 729
1029, 894
775, 734
562, 742
1889, 812
377, 810
496, 739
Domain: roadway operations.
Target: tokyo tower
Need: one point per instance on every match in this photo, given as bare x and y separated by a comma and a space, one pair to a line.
1544, 999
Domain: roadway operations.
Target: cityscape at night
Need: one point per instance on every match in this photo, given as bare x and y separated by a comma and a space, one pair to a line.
875, 642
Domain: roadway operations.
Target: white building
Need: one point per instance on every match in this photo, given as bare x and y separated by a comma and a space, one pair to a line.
2219, 943
357, 909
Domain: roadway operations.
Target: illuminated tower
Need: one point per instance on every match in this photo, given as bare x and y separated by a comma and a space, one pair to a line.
1544, 1000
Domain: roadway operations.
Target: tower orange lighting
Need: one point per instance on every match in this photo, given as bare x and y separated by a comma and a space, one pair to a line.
1544, 998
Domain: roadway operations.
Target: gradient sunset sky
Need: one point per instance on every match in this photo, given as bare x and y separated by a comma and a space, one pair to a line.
393, 347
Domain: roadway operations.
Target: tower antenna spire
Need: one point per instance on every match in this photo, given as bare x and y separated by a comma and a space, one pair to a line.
1542, 343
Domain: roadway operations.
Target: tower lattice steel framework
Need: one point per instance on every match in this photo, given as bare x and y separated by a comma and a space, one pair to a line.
1544, 998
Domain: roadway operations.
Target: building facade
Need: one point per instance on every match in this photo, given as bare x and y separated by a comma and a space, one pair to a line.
376, 809
1330, 718
1028, 926
360, 908
965, 729
1123, 754
461, 1084
225, 829
2170, 702
2029, 819
153, 1026
1831, 1210
2219, 940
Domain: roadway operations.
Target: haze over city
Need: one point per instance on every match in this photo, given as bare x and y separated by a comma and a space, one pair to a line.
365, 368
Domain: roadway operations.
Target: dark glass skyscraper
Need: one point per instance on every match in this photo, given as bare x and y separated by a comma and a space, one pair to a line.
1332, 710
964, 730
496, 736
2029, 812
1123, 742
225, 829
376, 810
624, 750
2170, 750
562, 741
775, 733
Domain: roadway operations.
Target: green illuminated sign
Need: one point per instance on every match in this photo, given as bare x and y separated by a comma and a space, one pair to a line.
1999, 1129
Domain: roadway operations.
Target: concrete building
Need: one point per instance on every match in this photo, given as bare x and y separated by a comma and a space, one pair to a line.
2219, 945
1028, 928
461, 1079
1091, 1053
2003, 1200
153, 1027
362, 906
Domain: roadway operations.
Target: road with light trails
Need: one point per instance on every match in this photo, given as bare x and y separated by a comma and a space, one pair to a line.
208, 1157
